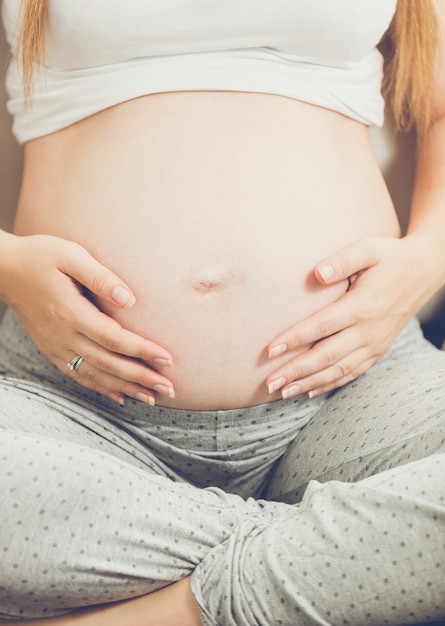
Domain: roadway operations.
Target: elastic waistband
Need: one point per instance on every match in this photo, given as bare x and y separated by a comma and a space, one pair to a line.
21, 360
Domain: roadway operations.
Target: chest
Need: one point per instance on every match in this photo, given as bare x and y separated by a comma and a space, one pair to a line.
85, 33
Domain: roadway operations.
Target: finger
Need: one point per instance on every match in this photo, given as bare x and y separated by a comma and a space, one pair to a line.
321, 357
111, 386
348, 261
98, 279
122, 368
336, 384
326, 322
109, 334
345, 371
115, 384
91, 385
337, 351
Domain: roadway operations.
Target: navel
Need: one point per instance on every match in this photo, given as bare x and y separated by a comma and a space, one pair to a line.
208, 279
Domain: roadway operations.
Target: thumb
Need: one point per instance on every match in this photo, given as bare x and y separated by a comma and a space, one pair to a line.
346, 263
97, 278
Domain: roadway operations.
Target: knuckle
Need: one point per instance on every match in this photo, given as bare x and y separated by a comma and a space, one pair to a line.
104, 365
99, 280
87, 356
342, 370
294, 373
295, 339
110, 343
349, 378
142, 379
344, 264
330, 358
91, 375
139, 349
325, 328
64, 315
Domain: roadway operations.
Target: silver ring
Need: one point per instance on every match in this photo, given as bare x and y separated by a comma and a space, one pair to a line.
75, 363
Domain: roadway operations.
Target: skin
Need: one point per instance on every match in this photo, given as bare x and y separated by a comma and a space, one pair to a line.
390, 278
187, 247
53, 296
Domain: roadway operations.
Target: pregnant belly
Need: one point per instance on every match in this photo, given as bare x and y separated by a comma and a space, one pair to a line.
214, 208
215, 298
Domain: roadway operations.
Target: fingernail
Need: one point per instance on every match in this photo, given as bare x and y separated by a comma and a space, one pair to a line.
276, 384
165, 390
123, 297
164, 362
144, 397
311, 394
117, 398
291, 391
326, 272
277, 350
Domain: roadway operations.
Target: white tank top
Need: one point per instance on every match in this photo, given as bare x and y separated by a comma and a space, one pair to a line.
103, 52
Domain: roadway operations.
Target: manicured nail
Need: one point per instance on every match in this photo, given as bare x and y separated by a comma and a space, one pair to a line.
117, 398
123, 297
277, 350
164, 362
165, 390
144, 397
326, 272
314, 393
276, 384
291, 391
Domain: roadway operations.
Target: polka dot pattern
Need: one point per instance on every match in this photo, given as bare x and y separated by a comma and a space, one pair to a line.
365, 553
82, 527
101, 503
393, 414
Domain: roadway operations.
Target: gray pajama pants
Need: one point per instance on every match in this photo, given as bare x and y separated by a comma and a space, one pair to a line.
328, 511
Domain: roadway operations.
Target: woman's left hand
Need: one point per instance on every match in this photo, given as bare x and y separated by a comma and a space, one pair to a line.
389, 283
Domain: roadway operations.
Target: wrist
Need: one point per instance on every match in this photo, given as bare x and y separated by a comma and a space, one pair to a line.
427, 251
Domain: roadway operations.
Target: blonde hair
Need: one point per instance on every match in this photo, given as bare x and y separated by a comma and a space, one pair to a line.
410, 68
409, 73
31, 42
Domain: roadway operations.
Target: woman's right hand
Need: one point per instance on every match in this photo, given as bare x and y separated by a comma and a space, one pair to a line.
44, 281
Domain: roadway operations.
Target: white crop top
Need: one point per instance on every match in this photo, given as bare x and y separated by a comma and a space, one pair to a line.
103, 52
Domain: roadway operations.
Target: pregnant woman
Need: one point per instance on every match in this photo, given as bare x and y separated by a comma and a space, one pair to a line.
216, 406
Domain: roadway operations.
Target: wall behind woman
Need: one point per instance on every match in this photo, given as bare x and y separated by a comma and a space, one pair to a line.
10, 154
395, 158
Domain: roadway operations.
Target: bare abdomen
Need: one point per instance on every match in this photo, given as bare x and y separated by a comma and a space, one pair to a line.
214, 207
